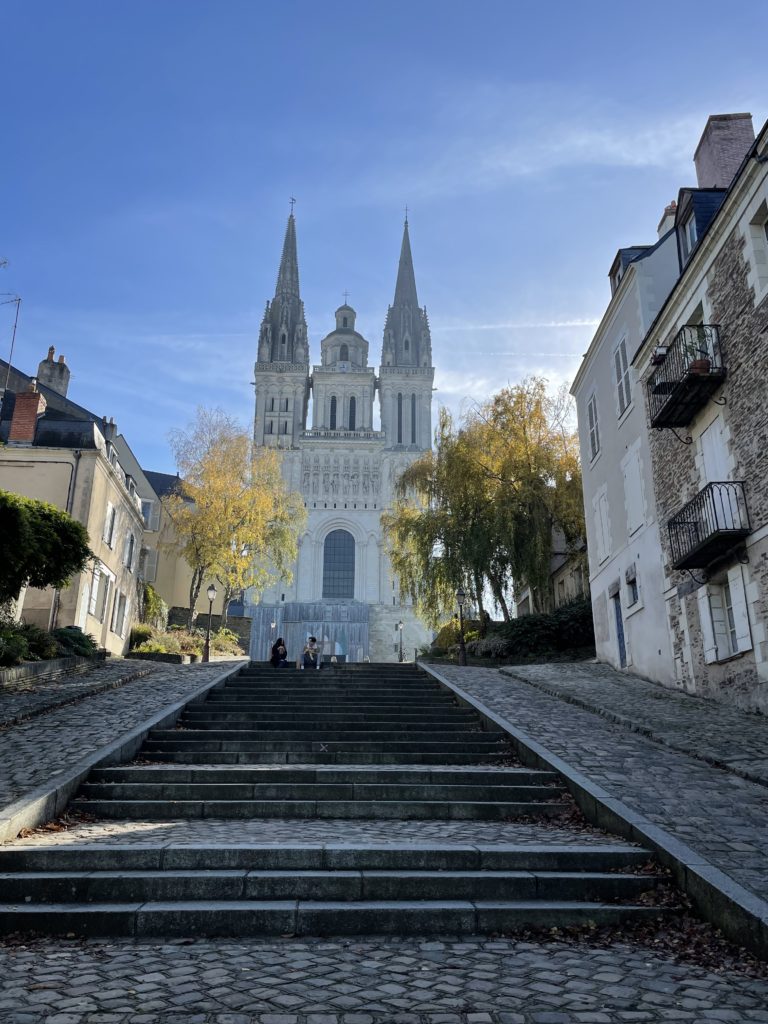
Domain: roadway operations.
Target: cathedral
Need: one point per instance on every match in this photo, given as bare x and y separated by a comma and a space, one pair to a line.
344, 464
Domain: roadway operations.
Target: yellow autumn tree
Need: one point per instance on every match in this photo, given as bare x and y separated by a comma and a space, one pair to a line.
233, 516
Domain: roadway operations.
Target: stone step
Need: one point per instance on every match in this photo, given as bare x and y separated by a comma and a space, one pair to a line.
288, 722
238, 884
314, 791
563, 857
192, 741
371, 810
216, 730
277, 713
317, 757
291, 917
382, 776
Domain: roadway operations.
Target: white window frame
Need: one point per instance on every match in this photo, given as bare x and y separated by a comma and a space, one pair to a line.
593, 427
129, 551
622, 377
689, 235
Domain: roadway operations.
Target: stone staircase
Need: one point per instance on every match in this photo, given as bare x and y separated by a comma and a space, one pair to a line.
354, 745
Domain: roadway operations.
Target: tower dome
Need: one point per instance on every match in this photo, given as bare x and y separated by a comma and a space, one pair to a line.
345, 318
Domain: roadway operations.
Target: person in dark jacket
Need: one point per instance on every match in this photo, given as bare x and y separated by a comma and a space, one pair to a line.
279, 657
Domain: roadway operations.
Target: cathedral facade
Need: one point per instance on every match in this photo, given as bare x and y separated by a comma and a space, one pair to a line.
344, 463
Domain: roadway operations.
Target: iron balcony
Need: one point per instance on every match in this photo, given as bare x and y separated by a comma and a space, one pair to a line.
709, 526
690, 371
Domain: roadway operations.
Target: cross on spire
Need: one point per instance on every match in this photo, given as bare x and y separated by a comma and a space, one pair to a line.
292, 201
406, 213
346, 296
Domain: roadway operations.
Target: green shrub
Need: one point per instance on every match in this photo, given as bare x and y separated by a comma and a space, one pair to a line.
140, 633
155, 608
225, 641
573, 626
567, 628
13, 647
72, 641
42, 644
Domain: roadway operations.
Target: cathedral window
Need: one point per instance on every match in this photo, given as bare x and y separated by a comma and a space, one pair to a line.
271, 406
406, 345
285, 405
413, 419
344, 350
269, 427
333, 412
399, 419
339, 565
284, 429
344, 322
352, 412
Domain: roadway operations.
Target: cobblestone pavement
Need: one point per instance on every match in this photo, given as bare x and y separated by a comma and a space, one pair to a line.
213, 832
386, 981
28, 697
38, 749
706, 729
719, 814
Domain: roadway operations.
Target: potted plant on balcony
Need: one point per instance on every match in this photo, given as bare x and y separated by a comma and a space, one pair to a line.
696, 351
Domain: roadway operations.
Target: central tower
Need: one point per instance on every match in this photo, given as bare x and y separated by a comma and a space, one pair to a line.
342, 589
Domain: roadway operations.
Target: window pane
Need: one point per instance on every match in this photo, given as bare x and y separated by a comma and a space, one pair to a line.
339, 565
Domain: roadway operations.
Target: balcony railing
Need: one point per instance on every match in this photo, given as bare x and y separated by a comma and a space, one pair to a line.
688, 373
709, 526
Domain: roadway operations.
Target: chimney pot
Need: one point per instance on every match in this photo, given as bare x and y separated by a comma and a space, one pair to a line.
62, 359
51, 350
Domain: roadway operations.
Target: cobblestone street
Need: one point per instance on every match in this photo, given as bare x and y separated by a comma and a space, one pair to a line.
386, 981
393, 980
714, 811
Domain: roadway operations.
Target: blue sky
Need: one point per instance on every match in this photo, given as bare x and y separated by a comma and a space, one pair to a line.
150, 148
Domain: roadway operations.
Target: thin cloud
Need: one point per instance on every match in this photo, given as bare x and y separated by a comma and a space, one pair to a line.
519, 326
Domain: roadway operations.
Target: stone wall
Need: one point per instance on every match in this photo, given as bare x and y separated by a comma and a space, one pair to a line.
240, 624
743, 679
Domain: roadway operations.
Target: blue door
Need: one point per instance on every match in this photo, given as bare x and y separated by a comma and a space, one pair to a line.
620, 631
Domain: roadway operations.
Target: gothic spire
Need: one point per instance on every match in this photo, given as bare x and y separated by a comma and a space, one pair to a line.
288, 274
405, 289
283, 334
406, 331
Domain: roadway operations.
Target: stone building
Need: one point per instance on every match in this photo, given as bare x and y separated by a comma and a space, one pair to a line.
704, 366
57, 451
345, 465
623, 531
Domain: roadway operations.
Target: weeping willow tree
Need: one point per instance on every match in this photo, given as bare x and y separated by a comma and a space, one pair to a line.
482, 508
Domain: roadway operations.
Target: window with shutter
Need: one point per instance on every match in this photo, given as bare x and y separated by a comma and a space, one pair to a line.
622, 376
633, 492
150, 566
739, 615
109, 524
93, 603
594, 429
154, 519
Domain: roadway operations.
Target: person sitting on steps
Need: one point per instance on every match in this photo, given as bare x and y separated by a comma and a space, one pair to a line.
311, 653
279, 657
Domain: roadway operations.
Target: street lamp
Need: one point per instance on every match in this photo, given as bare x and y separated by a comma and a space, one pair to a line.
400, 627
271, 637
211, 599
460, 598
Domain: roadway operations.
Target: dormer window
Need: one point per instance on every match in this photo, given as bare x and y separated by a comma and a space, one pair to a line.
688, 236
616, 279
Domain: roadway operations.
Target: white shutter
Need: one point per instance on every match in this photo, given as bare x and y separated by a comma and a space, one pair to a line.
719, 621
705, 621
94, 591
109, 523
739, 608
150, 566
604, 524
633, 492
154, 518
126, 617
594, 430
598, 530
714, 453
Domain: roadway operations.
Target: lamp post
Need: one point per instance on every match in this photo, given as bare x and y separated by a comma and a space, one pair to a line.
211, 599
400, 627
271, 638
460, 598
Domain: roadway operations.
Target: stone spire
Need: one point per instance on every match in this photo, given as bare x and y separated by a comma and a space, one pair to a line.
407, 340
283, 334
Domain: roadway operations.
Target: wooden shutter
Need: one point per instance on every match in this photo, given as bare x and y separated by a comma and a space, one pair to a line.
739, 608
633, 492
705, 621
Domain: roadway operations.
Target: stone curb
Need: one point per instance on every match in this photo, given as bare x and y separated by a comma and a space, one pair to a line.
47, 801
631, 725
741, 916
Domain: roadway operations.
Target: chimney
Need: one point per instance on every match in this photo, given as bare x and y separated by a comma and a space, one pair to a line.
54, 375
667, 221
721, 149
28, 407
